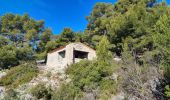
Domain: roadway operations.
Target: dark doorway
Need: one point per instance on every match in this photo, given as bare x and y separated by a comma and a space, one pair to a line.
80, 54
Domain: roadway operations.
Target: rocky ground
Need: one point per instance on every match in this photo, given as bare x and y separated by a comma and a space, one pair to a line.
2, 89
45, 76
50, 78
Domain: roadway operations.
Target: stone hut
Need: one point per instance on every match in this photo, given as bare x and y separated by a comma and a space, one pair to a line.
60, 58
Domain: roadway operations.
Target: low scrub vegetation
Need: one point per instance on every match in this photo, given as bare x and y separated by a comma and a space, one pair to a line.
91, 76
41, 91
88, 76
19, 75
67, 92
137, 31
40, 56
11, 94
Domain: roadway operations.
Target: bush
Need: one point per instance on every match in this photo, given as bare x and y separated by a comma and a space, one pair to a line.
107, 88
8, 57
50, 46
40, 91
26, 53
167, 90
67, 92
84, 74
88, 74
19, 75
11, 95
41, 56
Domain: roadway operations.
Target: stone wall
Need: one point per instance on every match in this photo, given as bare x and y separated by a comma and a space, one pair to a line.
54, 62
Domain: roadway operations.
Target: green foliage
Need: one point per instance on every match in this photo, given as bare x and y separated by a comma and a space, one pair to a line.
7, 57
31, 35
11, 94
10, 55
19, 75
46, 35
85, 75
40, 56
40, 91
89, 75
67, 35
3, 41
96, 39
103, 53
67, 92
45, 44
50, 46
167, 91
136, 30
22, 29
162, 42
162, 36
122, 6
97, 16
25, 53
21, 24
107, 88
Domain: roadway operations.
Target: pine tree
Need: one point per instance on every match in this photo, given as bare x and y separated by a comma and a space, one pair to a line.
162, 37
104, 55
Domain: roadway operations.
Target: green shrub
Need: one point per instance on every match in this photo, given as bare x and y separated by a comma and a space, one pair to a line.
51, 45
67, 92
24, 54
167, 91
40, 56
107, 88
11, 95
88, 74
84, 74
8, 57
19, 75
40, 91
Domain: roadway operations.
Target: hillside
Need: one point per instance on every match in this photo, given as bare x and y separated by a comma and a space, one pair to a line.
131, 39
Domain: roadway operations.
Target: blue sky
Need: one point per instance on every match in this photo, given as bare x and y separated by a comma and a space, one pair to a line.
56, 13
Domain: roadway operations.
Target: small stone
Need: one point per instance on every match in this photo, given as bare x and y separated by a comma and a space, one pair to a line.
2, 74
119, 96
117, 59
114, 76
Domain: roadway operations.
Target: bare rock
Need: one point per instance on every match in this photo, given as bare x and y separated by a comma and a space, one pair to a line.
117, 59
27, 97
90, 96
120, 96
2, 74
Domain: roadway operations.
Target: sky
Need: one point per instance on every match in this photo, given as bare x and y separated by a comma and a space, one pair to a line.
57, 14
